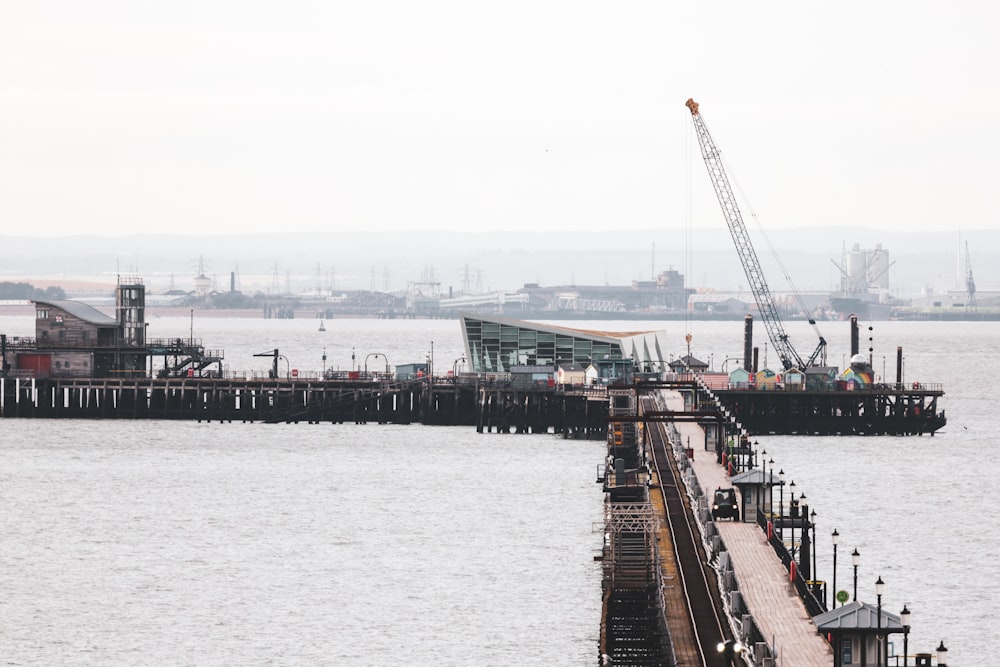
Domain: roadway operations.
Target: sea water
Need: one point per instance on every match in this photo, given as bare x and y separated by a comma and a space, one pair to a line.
183, 543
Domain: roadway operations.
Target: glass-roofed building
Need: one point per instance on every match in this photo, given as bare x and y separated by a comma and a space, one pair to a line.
497, 344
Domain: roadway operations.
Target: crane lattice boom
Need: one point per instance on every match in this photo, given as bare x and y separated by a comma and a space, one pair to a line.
970, 283
748, 257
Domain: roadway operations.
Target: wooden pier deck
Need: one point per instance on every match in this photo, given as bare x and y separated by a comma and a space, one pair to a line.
485, 405
578, 411
764, 582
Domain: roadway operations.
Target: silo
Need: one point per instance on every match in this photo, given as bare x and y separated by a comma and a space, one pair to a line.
857, 265
878, 268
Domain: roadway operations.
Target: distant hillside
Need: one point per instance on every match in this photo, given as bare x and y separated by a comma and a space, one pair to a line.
497, 260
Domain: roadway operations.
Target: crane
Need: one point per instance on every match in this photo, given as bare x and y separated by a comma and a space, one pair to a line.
748, 257
970, 284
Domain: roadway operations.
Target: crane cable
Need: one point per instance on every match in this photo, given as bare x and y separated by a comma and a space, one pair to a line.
688, 216
770, 246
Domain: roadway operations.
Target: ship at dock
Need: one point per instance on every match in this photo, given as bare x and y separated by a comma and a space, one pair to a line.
864, 284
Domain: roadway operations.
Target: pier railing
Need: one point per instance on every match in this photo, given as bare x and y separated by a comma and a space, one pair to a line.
751, 634
152, 345
806, 592
838, 387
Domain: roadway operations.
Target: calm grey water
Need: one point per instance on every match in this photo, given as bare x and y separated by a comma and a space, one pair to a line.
184, 543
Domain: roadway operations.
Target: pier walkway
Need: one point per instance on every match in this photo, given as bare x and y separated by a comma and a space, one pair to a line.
764, 582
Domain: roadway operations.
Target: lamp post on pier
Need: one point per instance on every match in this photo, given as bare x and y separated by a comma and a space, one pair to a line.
793, 512
376, 355
904, 619
805, 544
781, 505
812, 525
879, 587
765, 482
942, 654
856, 559
802, 512
835, 537
770, 486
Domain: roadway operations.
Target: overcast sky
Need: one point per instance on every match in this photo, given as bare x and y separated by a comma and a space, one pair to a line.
223, 116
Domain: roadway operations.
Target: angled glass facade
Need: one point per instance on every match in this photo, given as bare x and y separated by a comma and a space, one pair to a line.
496, 344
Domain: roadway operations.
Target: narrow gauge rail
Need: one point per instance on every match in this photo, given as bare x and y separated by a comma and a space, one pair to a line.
698, 579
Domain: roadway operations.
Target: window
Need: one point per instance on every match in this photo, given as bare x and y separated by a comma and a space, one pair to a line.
846, 651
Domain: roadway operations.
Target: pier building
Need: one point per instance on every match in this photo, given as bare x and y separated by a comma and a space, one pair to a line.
497, 344
75, 340
817, 401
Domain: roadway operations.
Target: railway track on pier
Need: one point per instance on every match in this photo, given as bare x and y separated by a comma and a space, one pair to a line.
696, 638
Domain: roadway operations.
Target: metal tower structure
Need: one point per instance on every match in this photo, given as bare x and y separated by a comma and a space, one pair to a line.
744, 248
970, 284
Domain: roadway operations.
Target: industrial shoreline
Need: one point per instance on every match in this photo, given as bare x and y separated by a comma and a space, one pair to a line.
314, 313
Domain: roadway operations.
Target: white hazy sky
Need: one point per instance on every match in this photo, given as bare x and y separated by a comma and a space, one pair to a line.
225, 116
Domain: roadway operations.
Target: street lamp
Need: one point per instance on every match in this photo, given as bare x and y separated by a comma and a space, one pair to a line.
802, 511
781, 505
763, 481
793, 512
770, 484
879, 587
904, 619
376, 355
856, 559
942, 654
835, 536
812, 524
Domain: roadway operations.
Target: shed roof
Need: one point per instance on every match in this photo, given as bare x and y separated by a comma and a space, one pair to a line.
571, 367
531, 370
689, 361
755, 476
857, 618
82, 311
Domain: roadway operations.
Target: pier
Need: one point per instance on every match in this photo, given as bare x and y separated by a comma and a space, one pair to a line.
887, 409
489, 406
687, 584
525, 378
